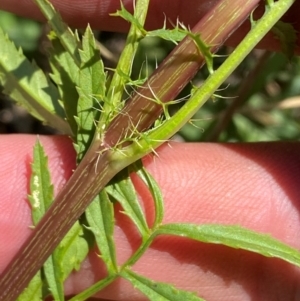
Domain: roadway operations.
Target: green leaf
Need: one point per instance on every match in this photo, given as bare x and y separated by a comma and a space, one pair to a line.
100, 216
25, 33
154, 190
158, 291
28, 86
40, 198
114, 100
91, 92
179, 33
68, 39
124, 192
174, 35
72, 250
234, 237
41, 189
54, 277
93, 289
287, 36
34, 291
65, 74
127, 16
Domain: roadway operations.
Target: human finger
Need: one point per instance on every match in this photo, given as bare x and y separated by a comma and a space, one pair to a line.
97, 13
250, 185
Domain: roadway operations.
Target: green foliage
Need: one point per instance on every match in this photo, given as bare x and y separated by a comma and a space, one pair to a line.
91, 90
234, 237
34, 291
68, 39
154, 190
125, 194
100, 217
65, 74
26, 83
157, 291
25, 33
72, 249
82, 103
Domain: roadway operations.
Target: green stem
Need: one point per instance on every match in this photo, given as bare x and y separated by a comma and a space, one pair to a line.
112, 102
92, 290
147, 143
97, 167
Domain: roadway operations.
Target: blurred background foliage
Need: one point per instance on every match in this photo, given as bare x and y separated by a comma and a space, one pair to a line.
259, 102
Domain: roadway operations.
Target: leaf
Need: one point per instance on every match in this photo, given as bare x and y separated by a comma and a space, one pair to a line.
174, 35
28, 86
154, 190
124, 192
68, 39
72, 250
65, 74
287, 36
100, 217
41, 189
34, 291
117, 86
179, 33
127, 16
54, 276
91, 92
158, 291
40, 198
93, 289
204, 50
234, 237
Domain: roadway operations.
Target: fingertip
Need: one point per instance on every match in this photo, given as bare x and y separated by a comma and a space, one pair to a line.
15, 159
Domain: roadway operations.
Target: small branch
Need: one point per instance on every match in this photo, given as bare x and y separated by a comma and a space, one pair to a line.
96, 169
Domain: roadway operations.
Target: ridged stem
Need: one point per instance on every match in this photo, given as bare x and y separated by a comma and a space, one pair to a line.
95, 170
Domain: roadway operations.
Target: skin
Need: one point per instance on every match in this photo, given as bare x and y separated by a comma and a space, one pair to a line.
253, 185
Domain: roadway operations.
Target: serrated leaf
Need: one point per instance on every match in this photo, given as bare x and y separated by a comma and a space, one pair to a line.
93, 289
127, 16
72, 250
287, 36
34, 291
114, 100
65, 74
91, 91
235, 237
26, 83
54, 276
100, 216
41, 188
68, 39
158, 291
154, 190
204, 50
179, 33
124, 192
174, 35
40, 198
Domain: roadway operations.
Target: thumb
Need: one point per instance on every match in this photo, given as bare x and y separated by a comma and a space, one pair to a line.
253, 185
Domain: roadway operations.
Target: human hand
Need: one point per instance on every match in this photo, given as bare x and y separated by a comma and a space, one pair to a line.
251, 185
96, 12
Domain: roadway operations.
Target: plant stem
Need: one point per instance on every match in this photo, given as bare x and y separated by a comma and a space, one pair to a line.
96, 168
116, 88
147, 143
